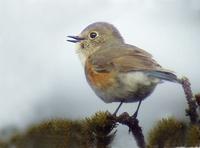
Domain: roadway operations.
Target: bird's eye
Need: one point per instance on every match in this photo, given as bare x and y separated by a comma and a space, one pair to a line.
93, 35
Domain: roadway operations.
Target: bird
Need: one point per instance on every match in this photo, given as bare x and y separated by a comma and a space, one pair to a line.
115, 70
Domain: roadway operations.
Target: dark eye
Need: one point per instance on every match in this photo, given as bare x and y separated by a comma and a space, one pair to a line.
93, 35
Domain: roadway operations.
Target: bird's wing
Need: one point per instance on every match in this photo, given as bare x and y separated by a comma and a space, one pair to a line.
127, 59
123, 58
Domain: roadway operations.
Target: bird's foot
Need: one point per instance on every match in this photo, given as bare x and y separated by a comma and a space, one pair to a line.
114, 114
134, 116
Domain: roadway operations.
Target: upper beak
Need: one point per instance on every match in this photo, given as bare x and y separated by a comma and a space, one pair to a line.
75, 39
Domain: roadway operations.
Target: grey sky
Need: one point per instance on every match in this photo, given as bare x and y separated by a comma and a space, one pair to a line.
41, 76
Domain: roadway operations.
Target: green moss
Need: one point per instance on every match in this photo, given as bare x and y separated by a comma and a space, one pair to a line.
193, 136
167, 133
87, 133
99, 129
55, 133
100, 123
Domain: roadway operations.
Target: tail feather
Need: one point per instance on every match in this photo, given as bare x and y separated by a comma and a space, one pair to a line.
164, 75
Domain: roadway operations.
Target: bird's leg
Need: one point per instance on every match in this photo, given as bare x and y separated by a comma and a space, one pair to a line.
136, 112
115, 113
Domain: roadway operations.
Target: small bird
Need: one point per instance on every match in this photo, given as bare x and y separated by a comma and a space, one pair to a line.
115, 70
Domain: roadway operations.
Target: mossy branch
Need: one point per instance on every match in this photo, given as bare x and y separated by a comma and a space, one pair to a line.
133, 125
97, 131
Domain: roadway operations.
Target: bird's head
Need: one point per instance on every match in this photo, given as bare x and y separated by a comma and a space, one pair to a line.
96, 36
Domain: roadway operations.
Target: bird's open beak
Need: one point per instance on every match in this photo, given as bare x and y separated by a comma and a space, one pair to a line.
75, 39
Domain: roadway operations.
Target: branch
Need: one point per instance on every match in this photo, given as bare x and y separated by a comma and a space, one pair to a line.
192, 106
133, 125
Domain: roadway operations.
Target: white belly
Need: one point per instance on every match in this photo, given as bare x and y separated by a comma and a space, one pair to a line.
131, 87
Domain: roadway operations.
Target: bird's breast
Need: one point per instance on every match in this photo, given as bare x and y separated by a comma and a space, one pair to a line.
116, 87
100, 80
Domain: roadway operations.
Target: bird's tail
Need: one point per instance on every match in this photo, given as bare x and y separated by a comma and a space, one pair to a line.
164, 75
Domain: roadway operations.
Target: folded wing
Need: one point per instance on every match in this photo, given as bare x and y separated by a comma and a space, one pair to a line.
127, 58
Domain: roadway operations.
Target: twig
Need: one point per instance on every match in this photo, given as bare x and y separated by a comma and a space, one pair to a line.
133, 125
192, 106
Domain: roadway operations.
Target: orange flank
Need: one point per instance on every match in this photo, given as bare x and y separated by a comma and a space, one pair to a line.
101, 80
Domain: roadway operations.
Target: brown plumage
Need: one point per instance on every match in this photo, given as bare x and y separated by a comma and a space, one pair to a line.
116, 71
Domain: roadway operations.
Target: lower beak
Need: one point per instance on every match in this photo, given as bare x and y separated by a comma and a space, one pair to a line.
75, 39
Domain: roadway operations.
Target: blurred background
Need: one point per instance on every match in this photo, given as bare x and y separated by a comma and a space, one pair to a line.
41, 77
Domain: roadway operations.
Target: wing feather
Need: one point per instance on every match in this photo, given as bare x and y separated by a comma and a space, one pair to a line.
129, 58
